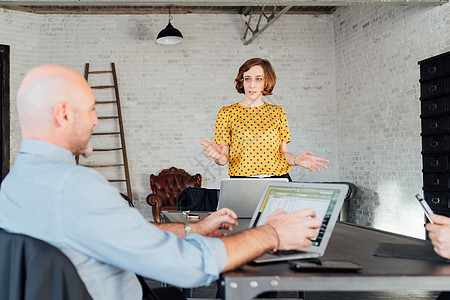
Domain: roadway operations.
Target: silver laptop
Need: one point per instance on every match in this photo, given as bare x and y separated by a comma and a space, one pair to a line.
242, 194
325, 199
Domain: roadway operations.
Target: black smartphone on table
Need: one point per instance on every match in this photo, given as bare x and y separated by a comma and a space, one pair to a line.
324, 264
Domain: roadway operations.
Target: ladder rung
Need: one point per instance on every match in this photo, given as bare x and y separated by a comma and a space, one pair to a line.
105, 102
103, 87
109, 117
103, 166
114, 163
99, 72
106, 149
105, 133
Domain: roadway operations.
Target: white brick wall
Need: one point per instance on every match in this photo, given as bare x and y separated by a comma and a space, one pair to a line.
378, 110
344, 87
16, 30
171, 94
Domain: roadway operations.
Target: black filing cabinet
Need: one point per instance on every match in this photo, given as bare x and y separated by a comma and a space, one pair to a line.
435, 117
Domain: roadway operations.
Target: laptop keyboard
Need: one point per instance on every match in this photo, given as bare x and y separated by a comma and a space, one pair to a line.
287, 252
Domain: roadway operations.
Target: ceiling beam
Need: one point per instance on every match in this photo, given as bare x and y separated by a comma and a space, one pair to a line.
268, 20
248, 8
221, 3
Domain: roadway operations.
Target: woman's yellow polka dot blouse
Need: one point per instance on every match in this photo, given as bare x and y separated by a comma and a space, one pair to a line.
254, 135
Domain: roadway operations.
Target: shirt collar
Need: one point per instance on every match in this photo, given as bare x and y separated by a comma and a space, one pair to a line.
48, 150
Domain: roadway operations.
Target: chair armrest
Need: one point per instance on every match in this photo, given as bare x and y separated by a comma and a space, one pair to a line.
154, 200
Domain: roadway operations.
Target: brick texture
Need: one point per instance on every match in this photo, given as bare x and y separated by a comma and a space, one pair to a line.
348, 82
377, 92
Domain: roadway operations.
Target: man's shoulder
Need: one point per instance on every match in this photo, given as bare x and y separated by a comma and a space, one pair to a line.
84, 174
47, 171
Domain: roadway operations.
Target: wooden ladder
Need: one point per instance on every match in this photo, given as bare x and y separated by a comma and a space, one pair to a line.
108, 139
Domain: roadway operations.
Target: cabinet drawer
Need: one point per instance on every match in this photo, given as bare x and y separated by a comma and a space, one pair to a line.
433, 88
436, 181
442, 212
435, 125
435, 163
447, 67
432, 69
435, 143
435, 106
437, 200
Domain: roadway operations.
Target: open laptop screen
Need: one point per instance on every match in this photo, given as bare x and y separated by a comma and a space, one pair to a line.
291, 199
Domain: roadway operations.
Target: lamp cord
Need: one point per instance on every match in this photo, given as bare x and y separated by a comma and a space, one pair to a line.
170, 15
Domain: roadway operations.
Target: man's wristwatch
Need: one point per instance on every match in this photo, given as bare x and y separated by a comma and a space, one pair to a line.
187, 229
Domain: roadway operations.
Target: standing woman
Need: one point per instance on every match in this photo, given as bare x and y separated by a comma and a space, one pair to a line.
252, 135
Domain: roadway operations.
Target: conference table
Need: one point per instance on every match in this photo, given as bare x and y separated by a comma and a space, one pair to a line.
348, 242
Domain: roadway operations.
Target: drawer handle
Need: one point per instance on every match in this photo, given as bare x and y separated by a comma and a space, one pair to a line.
434, 163
434, 125
432, 107
432, 88
435, 181
435, 200
431, 70
434, 144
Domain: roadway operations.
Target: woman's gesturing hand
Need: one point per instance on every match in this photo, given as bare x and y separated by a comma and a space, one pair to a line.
218, 152
310, 162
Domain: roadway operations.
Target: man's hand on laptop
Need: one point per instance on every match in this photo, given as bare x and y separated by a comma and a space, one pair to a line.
221, 219
295, 230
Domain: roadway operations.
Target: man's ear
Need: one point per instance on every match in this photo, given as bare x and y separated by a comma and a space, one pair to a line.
62, 113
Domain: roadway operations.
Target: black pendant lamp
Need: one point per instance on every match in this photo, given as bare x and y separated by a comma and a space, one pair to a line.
169, 35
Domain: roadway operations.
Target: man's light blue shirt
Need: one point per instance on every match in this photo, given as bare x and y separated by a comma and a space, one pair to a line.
48, 196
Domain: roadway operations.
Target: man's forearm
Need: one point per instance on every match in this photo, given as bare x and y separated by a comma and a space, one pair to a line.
177, 228
247, 245
241, 247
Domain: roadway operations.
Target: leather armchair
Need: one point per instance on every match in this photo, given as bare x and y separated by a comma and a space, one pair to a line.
167, 186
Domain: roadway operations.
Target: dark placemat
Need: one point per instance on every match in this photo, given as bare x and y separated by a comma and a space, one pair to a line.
424, 252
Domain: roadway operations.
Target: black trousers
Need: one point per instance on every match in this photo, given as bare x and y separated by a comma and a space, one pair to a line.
162, 293
168, 293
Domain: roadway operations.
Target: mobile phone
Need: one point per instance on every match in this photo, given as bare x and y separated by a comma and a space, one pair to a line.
426, 207
326, 264
191, 216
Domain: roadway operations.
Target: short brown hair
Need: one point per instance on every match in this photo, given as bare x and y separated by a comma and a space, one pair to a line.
269, 75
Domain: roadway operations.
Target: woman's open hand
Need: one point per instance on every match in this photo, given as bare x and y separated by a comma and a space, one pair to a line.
218, 152
310, 162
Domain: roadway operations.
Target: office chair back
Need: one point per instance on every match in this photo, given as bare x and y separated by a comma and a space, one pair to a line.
32, 269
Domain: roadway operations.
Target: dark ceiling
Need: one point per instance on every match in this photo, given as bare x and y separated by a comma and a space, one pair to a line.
159, 9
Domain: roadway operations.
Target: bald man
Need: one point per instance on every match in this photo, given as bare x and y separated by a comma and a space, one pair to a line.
48, 196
